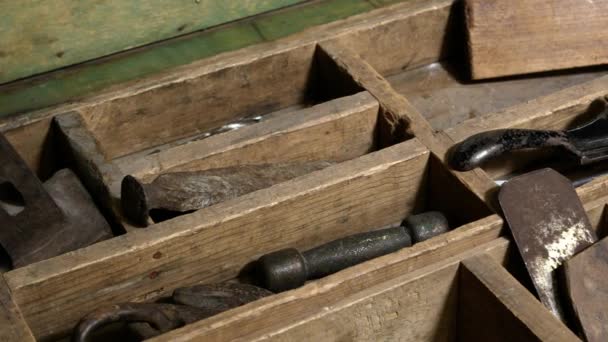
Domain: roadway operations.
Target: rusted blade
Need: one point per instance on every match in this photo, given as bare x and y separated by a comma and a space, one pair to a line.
549, 226
587, 284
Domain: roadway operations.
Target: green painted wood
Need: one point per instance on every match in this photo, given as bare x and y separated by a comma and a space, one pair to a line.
78, 81
90, 78
288, 22
39, 36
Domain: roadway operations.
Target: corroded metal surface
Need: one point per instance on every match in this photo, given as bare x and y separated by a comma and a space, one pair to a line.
289, 268
549, 226
221, 296
187, 191
45, 220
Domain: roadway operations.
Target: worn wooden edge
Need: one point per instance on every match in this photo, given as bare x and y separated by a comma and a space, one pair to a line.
349, 29
399, 116
214, 243
249, 143
12, 325
517, 299
336, 294
85, 157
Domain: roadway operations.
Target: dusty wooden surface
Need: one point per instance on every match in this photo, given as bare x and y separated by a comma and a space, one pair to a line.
586, 276
488, 290
519, 36
300, 213
39, 38
12, 325
446, 99
338, 130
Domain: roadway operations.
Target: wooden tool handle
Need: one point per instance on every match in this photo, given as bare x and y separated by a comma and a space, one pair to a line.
482, 147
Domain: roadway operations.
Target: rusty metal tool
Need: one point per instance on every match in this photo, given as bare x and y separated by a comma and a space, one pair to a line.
191, 304
549, 226
42, 221
587, 143
289, 268
586, 276
182, 192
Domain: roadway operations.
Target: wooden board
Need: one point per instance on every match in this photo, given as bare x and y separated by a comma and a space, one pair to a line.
371, 301
446, 98
38, 38
520, 36
12, 325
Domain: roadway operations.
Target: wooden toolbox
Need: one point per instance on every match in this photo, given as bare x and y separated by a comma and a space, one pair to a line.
368, 92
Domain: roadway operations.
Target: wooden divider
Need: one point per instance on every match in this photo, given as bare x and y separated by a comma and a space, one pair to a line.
213, 244
12, 324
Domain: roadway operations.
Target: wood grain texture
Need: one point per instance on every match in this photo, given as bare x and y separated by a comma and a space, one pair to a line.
200, 102
213, 244
519, 36
338, 130
445, 98
12, 325
586, 279
399, 118
323, 307
41, 38
488, 290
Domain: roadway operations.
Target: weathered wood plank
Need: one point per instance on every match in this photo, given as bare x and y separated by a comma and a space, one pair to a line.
12, 325
338, 130
487, 291
520, 36
214, 243
376, 300
198, 102
39, 38
446, 99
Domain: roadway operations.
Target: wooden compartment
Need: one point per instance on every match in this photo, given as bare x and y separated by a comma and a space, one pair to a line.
468, 296
333, 92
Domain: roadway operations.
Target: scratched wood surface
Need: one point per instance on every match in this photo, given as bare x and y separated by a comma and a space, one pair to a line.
519, 36
38, 38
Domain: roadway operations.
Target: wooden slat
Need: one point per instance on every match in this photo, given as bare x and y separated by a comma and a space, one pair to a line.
446, 98
520, 36
486, 283
333, 307
338, 130
213, 244
39, 38
399, 115
200, 101
12, 325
